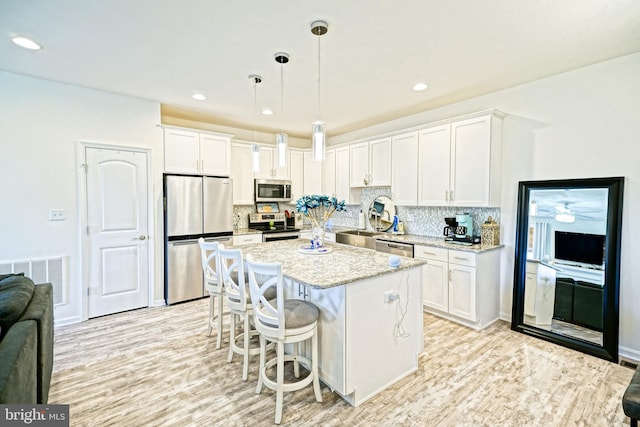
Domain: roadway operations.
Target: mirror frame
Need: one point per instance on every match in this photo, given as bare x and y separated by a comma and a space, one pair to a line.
609, 349
395, 212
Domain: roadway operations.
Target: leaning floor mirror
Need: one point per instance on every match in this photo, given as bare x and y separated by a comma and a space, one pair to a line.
567, 263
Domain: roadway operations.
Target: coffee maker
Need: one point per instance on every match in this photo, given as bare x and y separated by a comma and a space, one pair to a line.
450, 229
465, 225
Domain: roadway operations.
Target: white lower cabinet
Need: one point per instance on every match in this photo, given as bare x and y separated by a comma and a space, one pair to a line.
461, 286
539, 293
247, 239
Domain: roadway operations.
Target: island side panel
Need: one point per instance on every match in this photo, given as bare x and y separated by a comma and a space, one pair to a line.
376, 356
331, 335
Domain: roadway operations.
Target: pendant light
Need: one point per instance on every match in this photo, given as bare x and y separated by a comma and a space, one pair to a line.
255, 151
282, 138
318, 138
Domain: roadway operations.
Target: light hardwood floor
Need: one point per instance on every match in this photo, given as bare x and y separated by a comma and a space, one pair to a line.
156, 367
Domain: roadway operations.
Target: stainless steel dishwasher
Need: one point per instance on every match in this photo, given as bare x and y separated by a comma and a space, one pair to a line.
395, 248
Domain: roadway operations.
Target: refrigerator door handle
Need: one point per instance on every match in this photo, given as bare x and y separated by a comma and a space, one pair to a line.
183, 242
219, 239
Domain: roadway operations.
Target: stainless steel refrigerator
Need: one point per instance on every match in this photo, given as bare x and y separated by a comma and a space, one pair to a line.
194, 206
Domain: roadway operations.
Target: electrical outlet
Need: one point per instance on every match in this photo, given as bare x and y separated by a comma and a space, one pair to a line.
390, 296
56, 215
410, 218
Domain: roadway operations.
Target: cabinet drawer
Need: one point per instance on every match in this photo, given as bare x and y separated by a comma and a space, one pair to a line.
462, 258
247, 239
430, 252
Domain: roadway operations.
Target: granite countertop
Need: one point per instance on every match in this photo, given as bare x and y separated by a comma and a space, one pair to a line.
428, 241
345, 264
436, 242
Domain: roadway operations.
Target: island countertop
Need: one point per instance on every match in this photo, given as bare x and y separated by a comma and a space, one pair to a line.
345, 264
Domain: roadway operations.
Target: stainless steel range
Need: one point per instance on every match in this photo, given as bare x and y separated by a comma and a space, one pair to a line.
273, 226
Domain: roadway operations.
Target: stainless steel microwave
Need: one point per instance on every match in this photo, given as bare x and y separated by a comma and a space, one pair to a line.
272, 190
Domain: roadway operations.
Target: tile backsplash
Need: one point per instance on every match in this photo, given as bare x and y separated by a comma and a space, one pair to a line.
425, 220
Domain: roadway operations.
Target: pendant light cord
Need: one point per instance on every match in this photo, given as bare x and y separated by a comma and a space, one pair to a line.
282, 97
318, 77
255, 111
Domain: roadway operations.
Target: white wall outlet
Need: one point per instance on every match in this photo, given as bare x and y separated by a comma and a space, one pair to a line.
56, 215
390, 296
410, 218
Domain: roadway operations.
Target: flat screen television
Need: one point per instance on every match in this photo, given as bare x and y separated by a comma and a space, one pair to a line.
580, 247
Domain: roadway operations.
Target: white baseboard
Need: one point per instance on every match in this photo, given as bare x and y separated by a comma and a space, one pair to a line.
629, 354
159, 303
66, 321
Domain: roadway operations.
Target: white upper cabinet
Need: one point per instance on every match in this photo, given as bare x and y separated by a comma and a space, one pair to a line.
351, 196
371, 163
297, 173
459, 163
434, 154
193, 152
329, 173
404, 169
269, 168
242, 173
312, 174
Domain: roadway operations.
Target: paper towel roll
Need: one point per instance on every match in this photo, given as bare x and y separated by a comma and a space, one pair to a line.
361, 224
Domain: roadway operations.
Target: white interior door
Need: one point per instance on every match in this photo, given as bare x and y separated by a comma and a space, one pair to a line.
118, 230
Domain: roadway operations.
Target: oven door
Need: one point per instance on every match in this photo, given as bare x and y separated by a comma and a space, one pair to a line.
284, 235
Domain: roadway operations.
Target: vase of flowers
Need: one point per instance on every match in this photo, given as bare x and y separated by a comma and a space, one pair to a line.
318, 209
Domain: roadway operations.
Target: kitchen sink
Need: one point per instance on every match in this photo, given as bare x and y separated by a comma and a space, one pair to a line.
359, 238
361, 233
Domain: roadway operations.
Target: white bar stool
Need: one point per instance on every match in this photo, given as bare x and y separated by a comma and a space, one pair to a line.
213, 284
239, 303
282, 322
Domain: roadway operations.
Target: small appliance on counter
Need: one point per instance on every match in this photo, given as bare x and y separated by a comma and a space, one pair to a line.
450, 228
459, 230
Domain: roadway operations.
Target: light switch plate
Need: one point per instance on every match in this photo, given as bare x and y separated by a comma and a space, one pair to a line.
56, 215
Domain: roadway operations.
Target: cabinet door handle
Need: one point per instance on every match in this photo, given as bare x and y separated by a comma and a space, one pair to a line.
446, 195
451, 198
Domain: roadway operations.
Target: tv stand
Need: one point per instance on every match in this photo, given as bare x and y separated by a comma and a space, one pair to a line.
578, 272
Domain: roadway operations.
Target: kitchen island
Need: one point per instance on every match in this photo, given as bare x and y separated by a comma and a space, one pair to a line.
370, 328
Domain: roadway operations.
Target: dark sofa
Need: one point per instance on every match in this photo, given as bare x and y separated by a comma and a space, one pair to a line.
579, 302
26, 340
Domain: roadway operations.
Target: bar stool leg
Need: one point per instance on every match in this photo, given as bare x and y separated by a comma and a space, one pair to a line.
212, 301
232, 336
279, 381
219, 339
247, 336
314, 367
261, 369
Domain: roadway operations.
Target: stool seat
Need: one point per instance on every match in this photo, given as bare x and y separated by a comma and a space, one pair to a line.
298, 314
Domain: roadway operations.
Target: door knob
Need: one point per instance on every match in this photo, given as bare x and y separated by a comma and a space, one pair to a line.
142, 237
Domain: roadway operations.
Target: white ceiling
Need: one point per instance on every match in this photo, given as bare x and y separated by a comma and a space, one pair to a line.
372, 55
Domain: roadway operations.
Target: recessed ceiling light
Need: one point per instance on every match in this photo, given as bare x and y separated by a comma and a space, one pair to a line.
198, 97
267, 112
420, 87
26, 43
